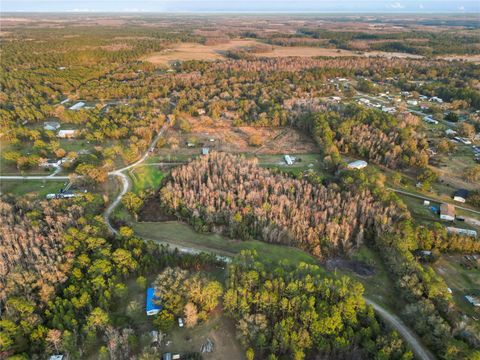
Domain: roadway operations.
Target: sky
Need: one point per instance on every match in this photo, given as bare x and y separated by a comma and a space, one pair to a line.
273, 6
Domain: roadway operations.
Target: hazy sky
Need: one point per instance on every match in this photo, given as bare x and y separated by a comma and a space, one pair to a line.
290, 6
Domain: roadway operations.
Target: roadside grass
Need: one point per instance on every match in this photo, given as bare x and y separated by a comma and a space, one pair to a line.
378, 287
36, 188
145, 177
178, 233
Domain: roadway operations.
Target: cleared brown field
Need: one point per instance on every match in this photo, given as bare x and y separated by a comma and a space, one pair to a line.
193, 51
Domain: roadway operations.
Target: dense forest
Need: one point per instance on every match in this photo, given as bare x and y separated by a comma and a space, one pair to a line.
295, 312
252, 202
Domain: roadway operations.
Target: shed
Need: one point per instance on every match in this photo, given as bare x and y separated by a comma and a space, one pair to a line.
51, 125
460, 195
152, 308
358, 164
447, 212
56, 357
472, 300
205, 150
66, 134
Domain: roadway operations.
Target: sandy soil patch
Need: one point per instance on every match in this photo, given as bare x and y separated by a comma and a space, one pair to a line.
470, 58
193, 51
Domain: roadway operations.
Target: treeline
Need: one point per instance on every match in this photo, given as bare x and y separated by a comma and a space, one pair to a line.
429, 310
368, 133
66, 281
298, 313
252, 202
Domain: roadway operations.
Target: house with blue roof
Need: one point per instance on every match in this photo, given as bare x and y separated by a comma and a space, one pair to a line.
152, 308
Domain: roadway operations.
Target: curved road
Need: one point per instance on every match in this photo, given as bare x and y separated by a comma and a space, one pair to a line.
410, 338
125, 182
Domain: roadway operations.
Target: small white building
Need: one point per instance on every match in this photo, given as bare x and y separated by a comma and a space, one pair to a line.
56, 357
205, 150
450, 132
51, 125
77, 106
357, 165
472, 300
430, 120
288, 159
66, 134
436, 99
412, 102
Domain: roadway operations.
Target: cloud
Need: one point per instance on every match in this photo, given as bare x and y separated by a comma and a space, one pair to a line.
461, 8
395, 5
421, 6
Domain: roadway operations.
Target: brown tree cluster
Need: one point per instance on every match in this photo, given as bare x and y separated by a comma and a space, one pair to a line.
253, 202
32, 260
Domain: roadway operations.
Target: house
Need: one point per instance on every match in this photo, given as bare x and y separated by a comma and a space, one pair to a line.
77, 106
288, 159
460, 195
472, 300
51, 125
412, 102
357, 165
66, 134
56, 357
205, 151
152, 308
450, 132
447, 212
463, 140
459, 231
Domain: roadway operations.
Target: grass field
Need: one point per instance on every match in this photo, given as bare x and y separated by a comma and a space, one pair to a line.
462, 281
36, 188
177, 233
145, 177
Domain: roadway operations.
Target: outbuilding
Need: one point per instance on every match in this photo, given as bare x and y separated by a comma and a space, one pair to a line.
357, 165
152, 308
51, 125
447, 212
460, 195
66, 134
288, 159
77, 106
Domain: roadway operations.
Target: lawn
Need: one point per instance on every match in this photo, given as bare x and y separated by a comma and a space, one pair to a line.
177, 233
461, 280
37, 188
145, 177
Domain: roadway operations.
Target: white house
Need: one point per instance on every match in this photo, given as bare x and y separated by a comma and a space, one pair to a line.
412, 102
472, 300
66, 134
450, 132
436, 99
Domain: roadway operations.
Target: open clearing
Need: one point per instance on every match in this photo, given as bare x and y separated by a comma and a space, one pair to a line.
194, 51
178, 233
35, 188
219, 329
461, 280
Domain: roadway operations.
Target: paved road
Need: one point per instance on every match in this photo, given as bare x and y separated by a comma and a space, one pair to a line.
410, 338
34, 177
431, 199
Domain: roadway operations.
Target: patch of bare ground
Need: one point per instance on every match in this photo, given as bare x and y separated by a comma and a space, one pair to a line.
221, 135
358, 267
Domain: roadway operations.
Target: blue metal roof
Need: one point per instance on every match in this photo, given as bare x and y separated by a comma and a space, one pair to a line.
151, 305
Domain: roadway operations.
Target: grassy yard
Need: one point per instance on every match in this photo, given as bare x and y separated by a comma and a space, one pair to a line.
36, 188
461, 280
145, 177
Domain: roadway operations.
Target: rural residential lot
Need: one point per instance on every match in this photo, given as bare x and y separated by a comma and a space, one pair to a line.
242, 186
